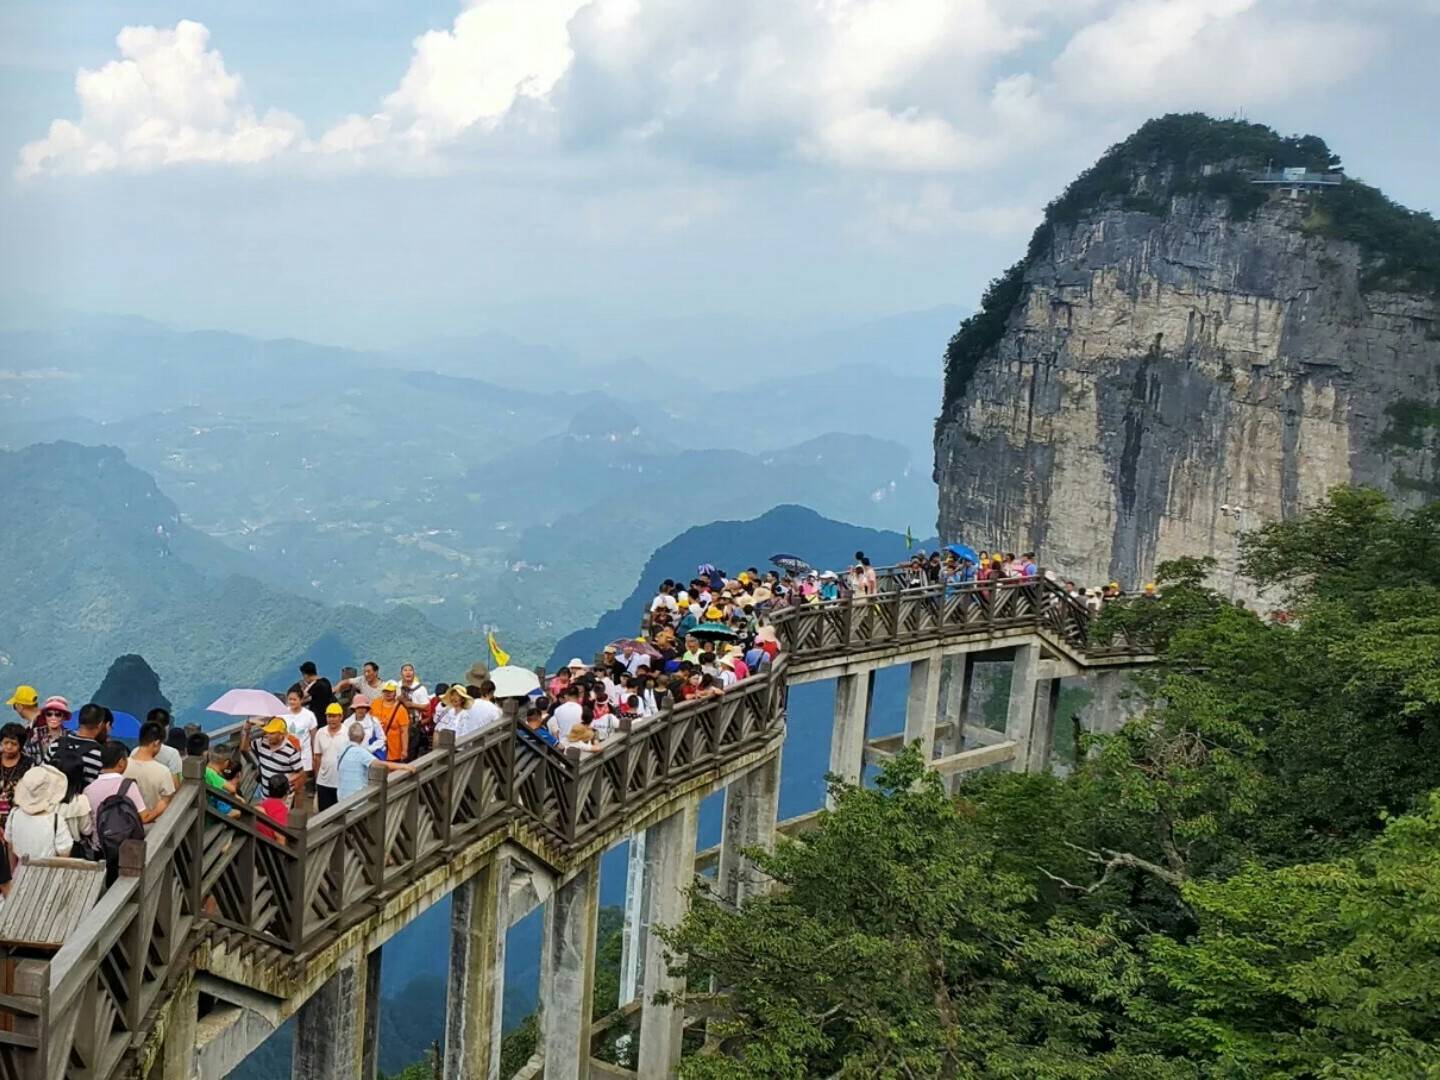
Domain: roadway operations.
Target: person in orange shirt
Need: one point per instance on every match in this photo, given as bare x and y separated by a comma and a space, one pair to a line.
394, 720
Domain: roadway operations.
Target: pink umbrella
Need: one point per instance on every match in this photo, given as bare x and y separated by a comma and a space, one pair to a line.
248, 703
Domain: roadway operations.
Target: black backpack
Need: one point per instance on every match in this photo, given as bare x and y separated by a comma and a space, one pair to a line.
116, 821
69, 758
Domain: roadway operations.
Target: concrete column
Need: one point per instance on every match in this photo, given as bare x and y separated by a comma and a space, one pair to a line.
669, 873
1042, 733
922, 705
955, 709
637, 921
177, 1052
330, 1032
370, 1038
1020, 717
852, 713
479, 920
752, 807
567, 974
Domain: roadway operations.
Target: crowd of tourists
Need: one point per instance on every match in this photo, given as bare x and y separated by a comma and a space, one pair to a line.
69, 788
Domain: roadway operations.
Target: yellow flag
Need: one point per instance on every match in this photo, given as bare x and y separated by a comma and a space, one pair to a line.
500, 655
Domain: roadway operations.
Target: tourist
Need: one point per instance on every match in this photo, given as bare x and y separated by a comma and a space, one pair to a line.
535, 723
48, 728
13, 765
26, 703
156, 781
301, 723
581, 737
118, 811
353, 765
567, 714
452, 715
483, 711
168, 755
315, 690
368, 686
329, 742
412, 690
217, 765
275, 753
394, 719
274, 808
77, 753
344, 690
36, 827
374, 736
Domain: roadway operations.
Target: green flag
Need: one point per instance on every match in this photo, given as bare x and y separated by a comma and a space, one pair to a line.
909, 540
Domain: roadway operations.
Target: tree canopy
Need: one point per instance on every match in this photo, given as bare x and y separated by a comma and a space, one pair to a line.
1244, 881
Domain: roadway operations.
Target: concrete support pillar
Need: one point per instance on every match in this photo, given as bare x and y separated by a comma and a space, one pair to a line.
955, 710
669, 873
370, 1040
331, 1033
637, 921
852, 713
1020, 717
177, 1052
567, 974
1042, 733
479, 919
752, 807
922, 705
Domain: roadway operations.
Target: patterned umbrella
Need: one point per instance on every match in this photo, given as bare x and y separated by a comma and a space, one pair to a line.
793, 563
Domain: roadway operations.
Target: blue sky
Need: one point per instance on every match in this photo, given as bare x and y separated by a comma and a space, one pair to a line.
372, 173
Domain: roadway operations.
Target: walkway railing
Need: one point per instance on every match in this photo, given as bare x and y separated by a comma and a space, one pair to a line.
207, 866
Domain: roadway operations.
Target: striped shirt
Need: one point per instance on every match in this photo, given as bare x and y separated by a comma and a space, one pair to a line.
282, 760
89, 747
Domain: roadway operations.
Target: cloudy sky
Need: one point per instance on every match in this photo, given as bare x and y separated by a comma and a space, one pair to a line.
371, 172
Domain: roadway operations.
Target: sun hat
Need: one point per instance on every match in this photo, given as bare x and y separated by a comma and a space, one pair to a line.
727, 661
360, 703
55, 701
576, 662
274, 724
334, 709
477, 674
24, 696
40, 790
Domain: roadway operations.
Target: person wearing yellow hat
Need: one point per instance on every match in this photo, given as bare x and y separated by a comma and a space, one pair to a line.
277, 753
26, 703
330, 741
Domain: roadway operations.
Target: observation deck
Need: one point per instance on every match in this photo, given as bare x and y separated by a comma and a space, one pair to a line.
215, 934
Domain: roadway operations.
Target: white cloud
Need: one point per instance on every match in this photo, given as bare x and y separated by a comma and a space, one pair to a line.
168, 100
1208, 54
933, 209
883, 86
497, 53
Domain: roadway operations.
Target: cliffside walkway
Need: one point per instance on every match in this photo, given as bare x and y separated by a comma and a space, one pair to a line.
214, 934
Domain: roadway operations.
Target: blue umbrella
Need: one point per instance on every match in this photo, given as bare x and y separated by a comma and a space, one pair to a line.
963, 552
125, 726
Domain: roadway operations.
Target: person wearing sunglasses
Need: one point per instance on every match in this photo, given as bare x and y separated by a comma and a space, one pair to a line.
49, 726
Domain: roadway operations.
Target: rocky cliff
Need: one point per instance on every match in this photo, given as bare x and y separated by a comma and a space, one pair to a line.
1179, 341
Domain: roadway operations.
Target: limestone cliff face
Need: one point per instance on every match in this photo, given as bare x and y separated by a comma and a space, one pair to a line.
1157, 364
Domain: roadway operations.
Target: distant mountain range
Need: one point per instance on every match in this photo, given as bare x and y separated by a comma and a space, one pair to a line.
508, 485
100, 564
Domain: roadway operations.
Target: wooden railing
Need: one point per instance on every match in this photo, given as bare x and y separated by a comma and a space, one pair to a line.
207, 866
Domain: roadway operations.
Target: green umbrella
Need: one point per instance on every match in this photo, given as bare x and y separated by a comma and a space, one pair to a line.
708, 631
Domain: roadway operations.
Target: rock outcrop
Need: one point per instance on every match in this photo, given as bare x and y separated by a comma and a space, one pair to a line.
1186, 356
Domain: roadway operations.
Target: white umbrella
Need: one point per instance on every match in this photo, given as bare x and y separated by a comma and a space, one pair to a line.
248, 703
512, 681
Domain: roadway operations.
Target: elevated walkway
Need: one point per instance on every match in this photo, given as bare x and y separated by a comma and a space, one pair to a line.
215, 934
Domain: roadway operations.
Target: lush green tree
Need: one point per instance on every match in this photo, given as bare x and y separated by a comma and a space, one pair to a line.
1243, 881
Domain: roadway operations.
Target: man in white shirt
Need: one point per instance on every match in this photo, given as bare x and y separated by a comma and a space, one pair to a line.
412, 690
330, 740
567, 714
664, 598
482, 712
301, 723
